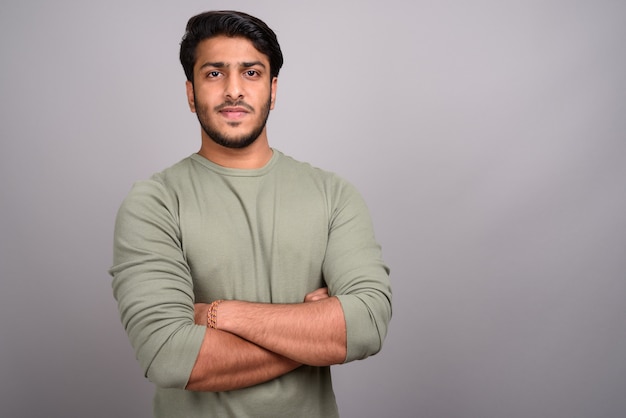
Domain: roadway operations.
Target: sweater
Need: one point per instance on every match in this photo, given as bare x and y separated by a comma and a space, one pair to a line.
198, 232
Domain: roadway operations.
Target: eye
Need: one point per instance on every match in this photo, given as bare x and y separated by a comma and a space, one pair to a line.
251, 73
213, 74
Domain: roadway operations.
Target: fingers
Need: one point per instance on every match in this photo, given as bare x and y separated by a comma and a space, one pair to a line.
318, 294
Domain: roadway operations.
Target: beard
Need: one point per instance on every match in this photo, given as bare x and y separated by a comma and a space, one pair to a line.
221, 138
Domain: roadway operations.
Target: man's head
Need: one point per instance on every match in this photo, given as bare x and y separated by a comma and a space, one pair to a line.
231, 61
230, 24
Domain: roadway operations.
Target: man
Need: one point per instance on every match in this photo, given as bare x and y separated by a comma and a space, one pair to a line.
241, 274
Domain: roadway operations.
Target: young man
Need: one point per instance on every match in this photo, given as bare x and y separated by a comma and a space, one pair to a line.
241, 274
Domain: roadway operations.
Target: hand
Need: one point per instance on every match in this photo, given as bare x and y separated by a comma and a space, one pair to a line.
319, 294
200, 311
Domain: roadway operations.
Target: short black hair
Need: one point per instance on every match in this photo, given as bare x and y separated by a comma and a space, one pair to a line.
232, 24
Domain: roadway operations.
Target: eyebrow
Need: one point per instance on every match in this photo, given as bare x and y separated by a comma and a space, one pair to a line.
221, 64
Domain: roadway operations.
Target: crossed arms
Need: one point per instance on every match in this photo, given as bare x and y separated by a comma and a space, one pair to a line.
253, 342
257, 342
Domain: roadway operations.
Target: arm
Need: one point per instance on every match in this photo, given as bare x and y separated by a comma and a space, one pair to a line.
356, 274
154, 290
227, 362
311, 333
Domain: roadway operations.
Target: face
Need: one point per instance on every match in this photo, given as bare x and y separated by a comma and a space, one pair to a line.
233, 92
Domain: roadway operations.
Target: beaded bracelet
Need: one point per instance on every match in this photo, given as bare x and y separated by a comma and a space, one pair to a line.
212, 314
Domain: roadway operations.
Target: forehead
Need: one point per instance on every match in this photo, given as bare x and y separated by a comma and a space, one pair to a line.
229, 51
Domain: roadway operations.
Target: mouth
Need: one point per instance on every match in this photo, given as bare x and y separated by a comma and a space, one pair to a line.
233, 112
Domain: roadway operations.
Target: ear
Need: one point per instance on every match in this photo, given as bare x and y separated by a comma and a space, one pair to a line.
273, 88
190, 96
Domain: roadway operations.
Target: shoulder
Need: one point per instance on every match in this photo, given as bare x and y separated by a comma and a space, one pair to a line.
291, 166
161, 189
336, 189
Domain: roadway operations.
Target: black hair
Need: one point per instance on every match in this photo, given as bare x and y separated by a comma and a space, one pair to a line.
232, 24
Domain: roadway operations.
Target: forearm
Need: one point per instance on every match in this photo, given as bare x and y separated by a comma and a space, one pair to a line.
312, 333
228, 362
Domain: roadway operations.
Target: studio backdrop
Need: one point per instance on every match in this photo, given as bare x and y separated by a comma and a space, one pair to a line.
487, 138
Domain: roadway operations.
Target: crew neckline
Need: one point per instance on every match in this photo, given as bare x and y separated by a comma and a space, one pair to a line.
238, 172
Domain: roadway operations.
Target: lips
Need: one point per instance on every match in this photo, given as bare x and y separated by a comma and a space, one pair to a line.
235, 112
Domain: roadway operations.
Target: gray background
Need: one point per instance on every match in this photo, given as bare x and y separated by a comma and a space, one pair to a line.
486, 136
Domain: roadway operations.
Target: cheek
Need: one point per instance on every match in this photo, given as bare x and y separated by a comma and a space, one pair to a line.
202, 103
272, 99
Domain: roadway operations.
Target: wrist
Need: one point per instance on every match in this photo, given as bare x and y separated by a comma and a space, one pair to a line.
225, 315
212, 314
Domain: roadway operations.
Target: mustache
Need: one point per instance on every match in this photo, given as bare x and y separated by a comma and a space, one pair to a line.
238, 103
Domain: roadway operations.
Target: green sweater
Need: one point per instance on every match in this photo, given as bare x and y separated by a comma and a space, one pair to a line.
198, 232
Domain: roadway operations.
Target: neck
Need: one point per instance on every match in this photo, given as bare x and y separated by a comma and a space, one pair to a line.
254, 156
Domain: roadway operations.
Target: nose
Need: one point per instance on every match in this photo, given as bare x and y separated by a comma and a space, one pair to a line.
234, 88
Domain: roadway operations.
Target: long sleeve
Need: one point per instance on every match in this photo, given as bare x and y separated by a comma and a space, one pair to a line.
356, 274
153, 286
